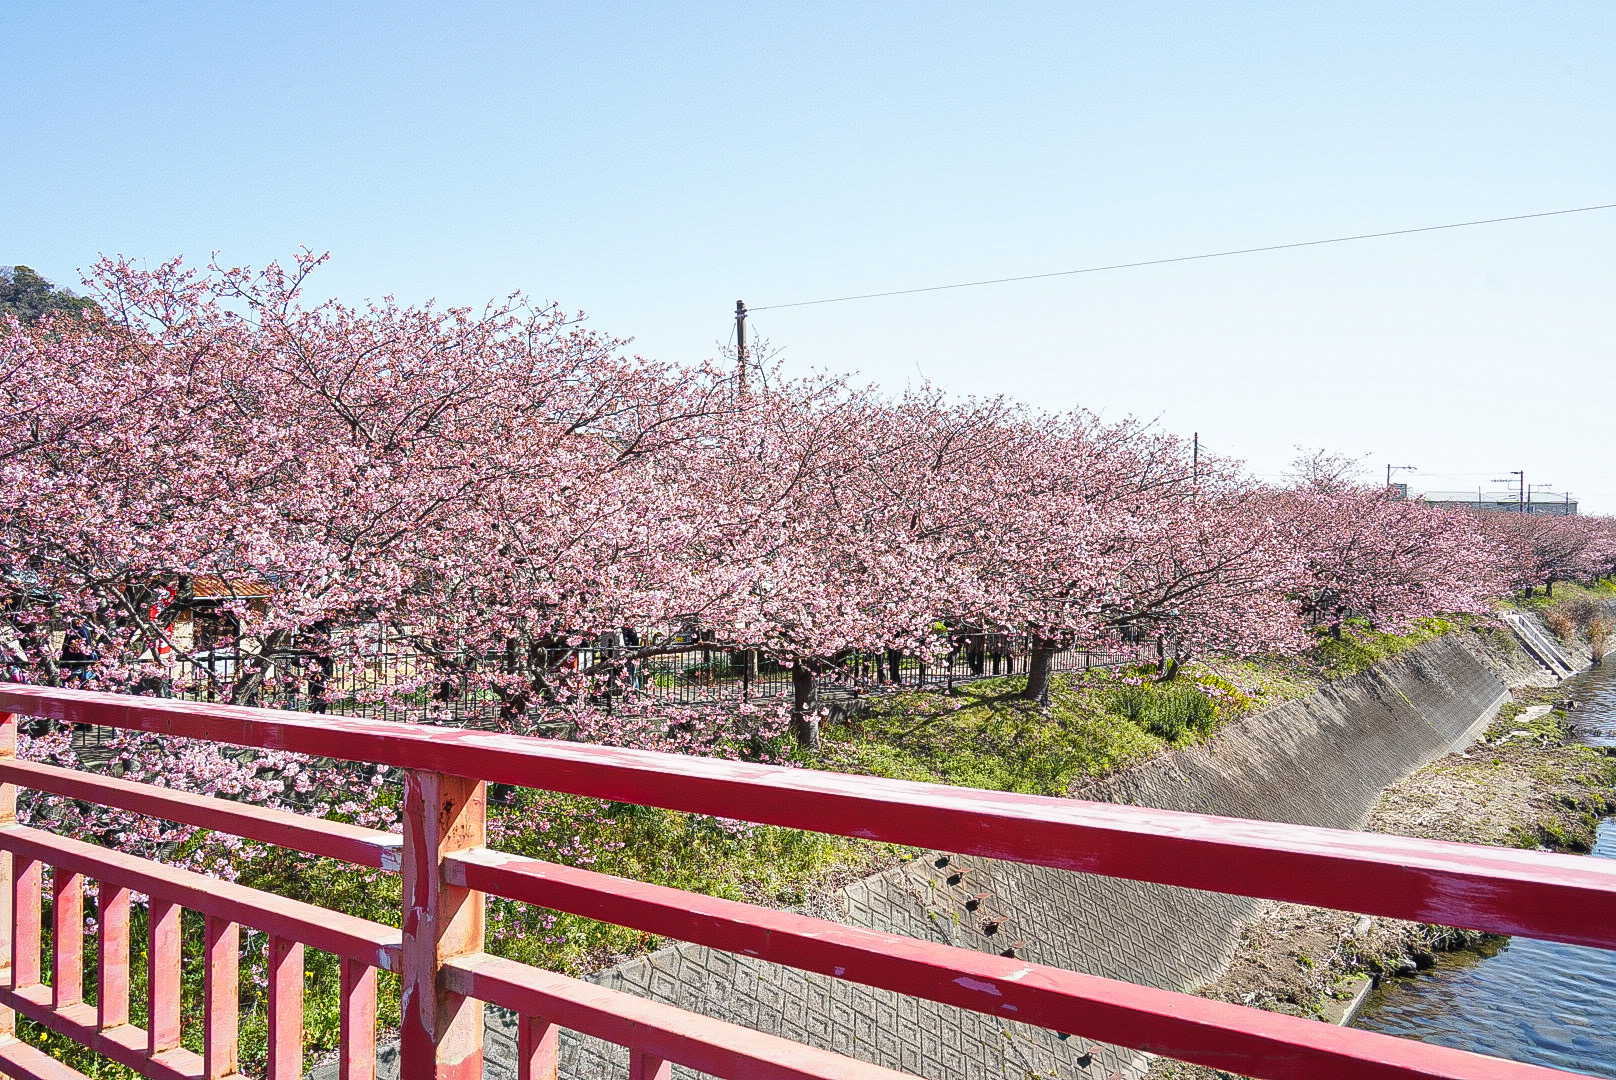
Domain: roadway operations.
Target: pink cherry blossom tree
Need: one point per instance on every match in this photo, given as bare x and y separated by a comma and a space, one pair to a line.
466, 482
1362, 552
491, 491
1540, 549
813, 539
1106, 534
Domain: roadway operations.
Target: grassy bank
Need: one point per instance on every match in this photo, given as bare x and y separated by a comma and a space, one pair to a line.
1563, 593
983, 735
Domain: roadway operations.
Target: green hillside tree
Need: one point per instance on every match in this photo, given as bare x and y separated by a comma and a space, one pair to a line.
29, 297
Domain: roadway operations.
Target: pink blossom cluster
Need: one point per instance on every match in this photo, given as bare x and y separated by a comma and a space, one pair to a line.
1540, 549
493, 490
718, 730
268, 778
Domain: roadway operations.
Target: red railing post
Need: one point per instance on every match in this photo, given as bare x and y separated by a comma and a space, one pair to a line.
67, 938
163, 942
220, 989
537, 1045
285, 960
442, 1032
643, 1066
358, 1021
8, 816
27, 878
112, 955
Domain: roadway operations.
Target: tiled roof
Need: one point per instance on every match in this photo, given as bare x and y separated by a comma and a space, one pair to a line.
209, 587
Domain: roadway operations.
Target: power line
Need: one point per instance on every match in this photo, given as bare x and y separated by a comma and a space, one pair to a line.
1186, 258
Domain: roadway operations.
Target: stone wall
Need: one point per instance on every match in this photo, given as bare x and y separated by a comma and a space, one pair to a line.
1318, 761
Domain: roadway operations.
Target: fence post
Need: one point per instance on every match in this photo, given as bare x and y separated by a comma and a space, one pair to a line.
8, 816
441, 1035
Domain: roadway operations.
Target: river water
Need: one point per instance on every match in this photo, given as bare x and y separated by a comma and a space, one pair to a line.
1531, 1001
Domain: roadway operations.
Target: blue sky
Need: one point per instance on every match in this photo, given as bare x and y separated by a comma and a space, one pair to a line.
651, 164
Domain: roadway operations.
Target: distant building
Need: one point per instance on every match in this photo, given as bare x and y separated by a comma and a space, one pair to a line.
1539, 502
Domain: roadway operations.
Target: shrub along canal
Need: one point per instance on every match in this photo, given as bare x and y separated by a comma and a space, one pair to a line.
1532, 1001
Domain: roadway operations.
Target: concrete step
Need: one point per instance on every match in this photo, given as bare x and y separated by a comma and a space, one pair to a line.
1540, 645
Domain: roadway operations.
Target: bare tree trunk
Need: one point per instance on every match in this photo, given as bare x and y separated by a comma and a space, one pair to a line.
250, 677
1167, 664
1040, 662
804, 706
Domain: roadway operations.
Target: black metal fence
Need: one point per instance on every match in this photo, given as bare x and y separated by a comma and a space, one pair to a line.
407, 686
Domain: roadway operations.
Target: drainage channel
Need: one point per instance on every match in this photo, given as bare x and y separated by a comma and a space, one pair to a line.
1531, 1001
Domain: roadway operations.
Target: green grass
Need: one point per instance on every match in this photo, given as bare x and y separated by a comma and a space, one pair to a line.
984, 736
736, 861
1598, 591
1172, 714
1550, 726
1359, 647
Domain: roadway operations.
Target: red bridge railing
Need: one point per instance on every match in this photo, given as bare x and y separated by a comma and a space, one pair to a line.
447, 871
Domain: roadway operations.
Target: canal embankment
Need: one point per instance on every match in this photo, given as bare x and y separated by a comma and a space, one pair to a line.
1531, 780
1540, 1002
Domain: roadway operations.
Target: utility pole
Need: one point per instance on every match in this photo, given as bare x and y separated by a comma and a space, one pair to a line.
1397, 468
743, 384
1529, 490
1520, 499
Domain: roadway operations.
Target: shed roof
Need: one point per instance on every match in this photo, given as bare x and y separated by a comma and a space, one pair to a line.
213, 587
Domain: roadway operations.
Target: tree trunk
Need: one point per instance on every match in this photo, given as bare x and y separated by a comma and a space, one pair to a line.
1040, 662
1548, 587
804, 706
1167, 663
250, 676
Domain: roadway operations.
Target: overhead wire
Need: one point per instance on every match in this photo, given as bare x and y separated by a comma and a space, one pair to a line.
1184, 258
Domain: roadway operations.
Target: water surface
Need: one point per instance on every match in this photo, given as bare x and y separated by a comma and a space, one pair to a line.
1532, 1001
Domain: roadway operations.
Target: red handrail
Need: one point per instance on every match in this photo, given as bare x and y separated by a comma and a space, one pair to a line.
448, 870
1501, 890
